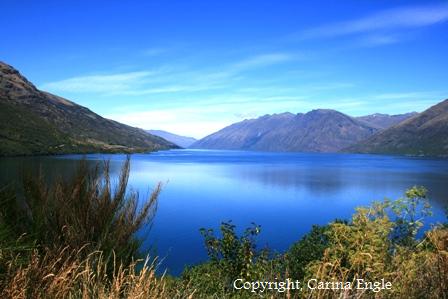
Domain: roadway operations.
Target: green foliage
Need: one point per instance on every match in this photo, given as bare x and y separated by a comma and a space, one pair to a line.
206, 279
310, 248
231, 257
235, 256
410, 212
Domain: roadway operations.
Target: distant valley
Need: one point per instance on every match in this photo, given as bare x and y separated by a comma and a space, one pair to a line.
179, 140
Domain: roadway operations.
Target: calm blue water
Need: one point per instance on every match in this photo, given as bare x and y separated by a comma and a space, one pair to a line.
285, 193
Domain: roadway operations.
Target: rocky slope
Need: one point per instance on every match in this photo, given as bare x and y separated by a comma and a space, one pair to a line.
36, 122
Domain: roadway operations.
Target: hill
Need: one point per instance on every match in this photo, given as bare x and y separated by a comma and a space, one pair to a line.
321, 130
37, 122
423, 134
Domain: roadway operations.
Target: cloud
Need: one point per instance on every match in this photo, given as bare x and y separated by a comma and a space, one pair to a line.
203, 116
378, 40
165, 80
140, 83
151, 52
261, 61
388, 102
409, 95
98, 83
400, 18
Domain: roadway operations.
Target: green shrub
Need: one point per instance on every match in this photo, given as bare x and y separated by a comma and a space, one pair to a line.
236, 257
310, 248
409, 212
230, 257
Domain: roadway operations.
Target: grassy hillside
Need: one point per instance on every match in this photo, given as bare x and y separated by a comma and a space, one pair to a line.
36, 122
423, 134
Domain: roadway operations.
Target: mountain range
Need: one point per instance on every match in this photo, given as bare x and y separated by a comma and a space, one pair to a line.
37, 122
321, 130
182, 141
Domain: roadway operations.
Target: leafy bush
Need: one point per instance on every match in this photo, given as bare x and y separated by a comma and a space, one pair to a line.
237, 257
409, 213
310, 248
231, 257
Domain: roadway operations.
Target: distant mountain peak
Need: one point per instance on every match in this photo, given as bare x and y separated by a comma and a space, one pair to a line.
323, 111
284, 114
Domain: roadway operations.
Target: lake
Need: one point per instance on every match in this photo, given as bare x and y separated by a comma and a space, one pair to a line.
285, 193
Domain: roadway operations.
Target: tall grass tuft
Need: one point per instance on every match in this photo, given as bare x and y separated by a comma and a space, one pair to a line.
68, 274
87, 211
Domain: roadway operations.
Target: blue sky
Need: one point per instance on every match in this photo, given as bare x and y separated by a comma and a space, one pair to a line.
193, 67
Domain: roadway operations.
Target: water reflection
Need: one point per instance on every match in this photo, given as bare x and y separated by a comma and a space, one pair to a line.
328, 182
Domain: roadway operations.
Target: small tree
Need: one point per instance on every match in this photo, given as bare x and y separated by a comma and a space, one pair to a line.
410, 212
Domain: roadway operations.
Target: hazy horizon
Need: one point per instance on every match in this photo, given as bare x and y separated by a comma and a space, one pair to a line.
194, 68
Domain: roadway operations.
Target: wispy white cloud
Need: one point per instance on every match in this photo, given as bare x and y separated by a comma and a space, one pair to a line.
204, 116
165, 80
98, 83
388, 102
395, 19
409, 95
151, 52
261, 61
378, 40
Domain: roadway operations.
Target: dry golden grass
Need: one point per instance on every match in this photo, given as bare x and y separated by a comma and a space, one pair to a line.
363, 250
66, 276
